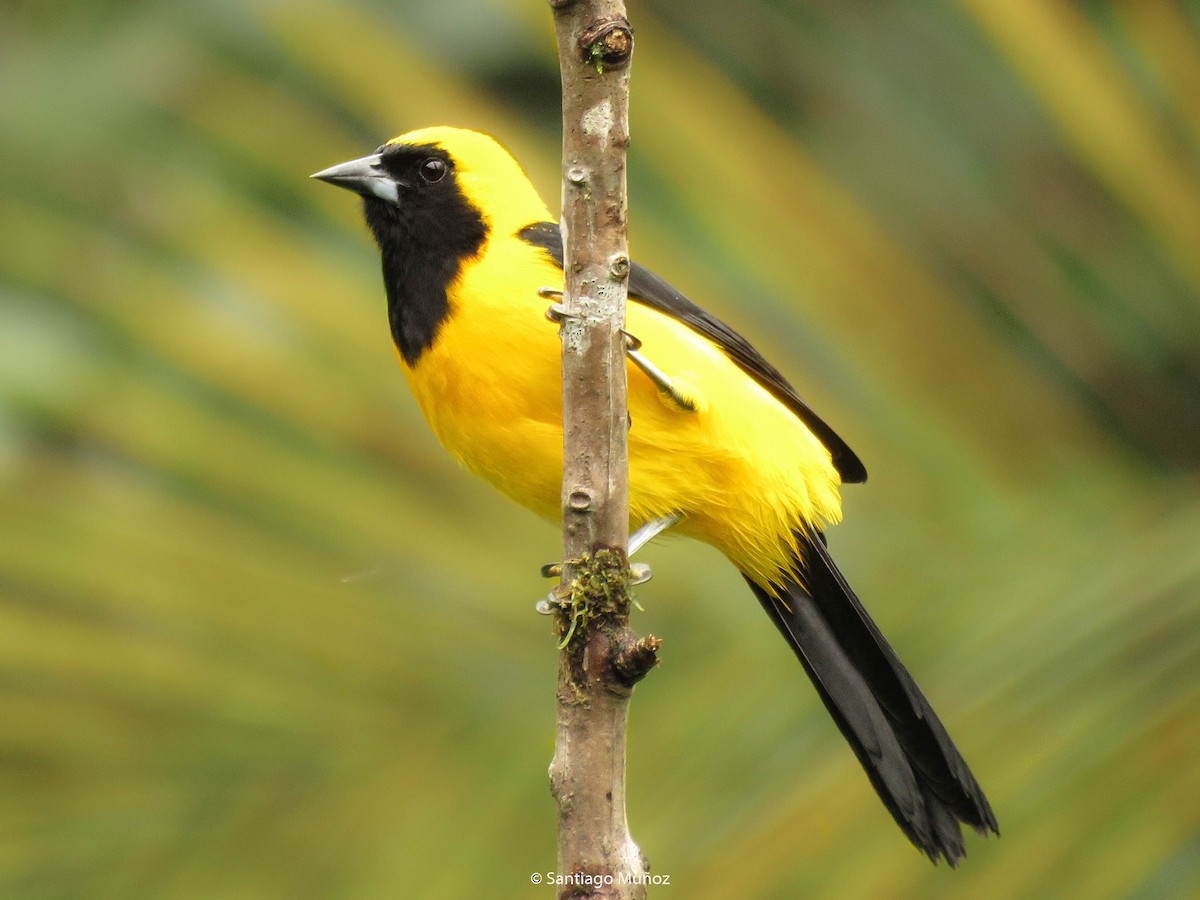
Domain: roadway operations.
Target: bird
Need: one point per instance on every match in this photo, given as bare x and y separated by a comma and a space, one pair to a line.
720, 445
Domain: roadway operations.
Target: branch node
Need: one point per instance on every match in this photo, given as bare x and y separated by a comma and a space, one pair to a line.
634, 660
580, 500
607, 44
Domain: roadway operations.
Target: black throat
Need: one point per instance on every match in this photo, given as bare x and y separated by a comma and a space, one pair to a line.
424, 242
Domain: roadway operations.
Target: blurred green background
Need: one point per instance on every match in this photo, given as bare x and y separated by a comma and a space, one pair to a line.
259, 636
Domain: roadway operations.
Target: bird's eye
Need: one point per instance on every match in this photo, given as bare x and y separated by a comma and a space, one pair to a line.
433, 170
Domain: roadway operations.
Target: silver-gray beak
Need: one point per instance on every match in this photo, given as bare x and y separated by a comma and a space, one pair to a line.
365, 176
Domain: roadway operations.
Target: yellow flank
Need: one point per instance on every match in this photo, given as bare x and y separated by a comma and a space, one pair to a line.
744, 471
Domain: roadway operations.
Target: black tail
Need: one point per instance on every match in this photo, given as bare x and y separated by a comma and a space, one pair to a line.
911, 761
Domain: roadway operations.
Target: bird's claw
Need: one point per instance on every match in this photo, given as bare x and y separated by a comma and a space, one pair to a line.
549, 604
557, 313
661, 380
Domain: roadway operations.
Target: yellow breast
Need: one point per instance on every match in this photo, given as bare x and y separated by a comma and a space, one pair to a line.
744, 471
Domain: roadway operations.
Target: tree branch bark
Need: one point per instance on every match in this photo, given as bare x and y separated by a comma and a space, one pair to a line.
600, 658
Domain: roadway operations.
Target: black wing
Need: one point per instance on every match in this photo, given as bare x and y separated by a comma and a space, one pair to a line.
648, 289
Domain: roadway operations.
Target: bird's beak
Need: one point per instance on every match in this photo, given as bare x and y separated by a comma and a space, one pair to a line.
365, 176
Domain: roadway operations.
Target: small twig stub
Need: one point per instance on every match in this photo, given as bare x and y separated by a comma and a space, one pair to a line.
607, 44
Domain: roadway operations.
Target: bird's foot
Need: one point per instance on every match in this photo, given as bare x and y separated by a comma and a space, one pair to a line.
558, 599
639, 573
557, 313
633, 349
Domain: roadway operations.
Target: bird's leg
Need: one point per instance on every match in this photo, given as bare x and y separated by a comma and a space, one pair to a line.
639, 573
652, 529
660, 378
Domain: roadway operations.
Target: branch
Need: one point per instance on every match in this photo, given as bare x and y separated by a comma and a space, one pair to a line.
600, 658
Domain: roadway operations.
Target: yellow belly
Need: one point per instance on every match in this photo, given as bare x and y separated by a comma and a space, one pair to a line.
743, 470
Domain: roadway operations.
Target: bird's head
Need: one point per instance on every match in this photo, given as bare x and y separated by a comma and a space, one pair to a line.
446, 184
